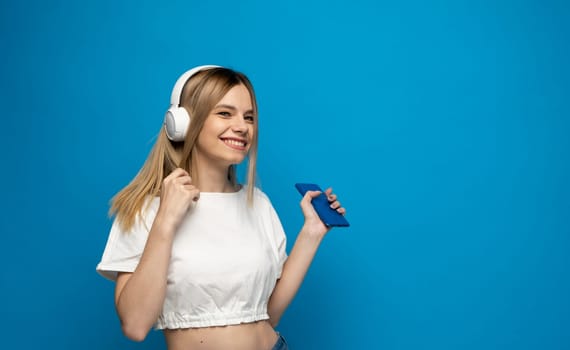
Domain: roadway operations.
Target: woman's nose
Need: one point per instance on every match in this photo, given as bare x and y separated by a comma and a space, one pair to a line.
239, 125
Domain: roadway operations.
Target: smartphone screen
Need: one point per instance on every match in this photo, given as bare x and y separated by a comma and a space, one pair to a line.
328, 215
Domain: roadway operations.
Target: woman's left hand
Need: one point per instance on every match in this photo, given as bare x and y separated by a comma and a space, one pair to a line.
313, 224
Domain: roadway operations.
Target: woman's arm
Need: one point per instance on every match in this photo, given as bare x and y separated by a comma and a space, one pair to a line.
139, 296
301, 256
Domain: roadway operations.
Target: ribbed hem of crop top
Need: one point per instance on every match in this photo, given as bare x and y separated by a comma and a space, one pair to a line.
175, 320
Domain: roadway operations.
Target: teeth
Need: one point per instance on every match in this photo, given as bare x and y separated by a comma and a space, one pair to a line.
235, 142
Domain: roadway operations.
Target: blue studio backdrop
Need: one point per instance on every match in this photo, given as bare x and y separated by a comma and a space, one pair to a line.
442, 125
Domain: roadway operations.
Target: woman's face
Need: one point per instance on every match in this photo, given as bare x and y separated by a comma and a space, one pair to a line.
228, 130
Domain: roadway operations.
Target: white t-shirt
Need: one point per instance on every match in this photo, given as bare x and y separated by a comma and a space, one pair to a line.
226, 258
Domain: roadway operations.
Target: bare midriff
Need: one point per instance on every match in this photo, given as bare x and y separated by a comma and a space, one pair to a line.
246, 336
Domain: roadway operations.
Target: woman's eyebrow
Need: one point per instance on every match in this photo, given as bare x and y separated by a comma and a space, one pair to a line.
226, 106
249, 111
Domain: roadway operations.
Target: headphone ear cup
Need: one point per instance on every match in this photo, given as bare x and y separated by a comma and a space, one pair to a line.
176, 122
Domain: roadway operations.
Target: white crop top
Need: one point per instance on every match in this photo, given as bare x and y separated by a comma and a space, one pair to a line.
226, 258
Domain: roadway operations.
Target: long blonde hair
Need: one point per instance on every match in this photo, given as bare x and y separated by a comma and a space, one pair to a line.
199, 96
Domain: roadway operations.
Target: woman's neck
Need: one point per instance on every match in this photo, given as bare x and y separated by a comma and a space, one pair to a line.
212, 179
207, 185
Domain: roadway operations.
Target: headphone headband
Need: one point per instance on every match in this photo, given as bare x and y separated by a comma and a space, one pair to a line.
177, 90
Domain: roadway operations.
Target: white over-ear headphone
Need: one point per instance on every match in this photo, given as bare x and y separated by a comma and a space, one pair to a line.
177, 119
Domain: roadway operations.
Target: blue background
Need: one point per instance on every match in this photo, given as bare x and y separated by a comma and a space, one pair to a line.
442, 125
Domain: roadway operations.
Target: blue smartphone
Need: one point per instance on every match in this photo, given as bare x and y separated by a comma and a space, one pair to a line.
328, 215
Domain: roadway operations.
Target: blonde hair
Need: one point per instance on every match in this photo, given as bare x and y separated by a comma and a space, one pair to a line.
199, 96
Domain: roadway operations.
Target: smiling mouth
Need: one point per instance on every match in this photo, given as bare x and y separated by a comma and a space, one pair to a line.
239, 144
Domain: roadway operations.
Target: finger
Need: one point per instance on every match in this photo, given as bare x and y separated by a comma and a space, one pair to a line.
332, 197
309, 195
307, 199
341, 211
195, 192
176, 173
182, 173
179, 172
335, 205
184, 180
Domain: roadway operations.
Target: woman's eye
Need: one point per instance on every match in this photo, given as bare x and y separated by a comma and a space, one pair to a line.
224, 114
249, 118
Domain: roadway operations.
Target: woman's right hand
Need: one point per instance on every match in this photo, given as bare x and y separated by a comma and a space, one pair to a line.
176, 196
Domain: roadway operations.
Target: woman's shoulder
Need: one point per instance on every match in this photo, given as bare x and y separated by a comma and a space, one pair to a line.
259, 197
258, 193
150, 203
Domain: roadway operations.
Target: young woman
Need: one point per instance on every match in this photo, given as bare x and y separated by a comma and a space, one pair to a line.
193, 252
